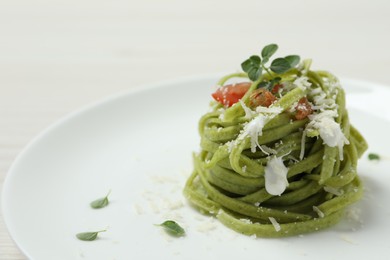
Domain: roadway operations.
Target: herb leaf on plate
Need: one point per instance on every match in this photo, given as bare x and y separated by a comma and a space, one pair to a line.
373, 156
88, 236
100, 203
173, 228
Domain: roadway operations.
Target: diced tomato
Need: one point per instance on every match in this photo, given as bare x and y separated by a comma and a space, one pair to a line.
303, 109
276, 88
228, 95
262, 97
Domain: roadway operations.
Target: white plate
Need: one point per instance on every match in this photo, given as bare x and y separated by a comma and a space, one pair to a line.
139, 145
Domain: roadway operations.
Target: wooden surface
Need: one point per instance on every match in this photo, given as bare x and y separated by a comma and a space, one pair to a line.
57, 56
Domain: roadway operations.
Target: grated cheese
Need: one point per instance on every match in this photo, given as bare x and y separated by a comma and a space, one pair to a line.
269, 110
254, 128
230, 145
353, 215
246, 221
154, 207
207, 226
348, 239
174, 205
138, 209
163, 179
302, 83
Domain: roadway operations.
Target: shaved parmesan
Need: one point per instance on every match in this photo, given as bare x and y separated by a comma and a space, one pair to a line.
275, 176
275, 224
318, 211
267, 150
330, 131
335, 191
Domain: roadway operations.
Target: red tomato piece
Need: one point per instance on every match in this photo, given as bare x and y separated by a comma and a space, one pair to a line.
230, 94
276, 88
303, 109
262, 97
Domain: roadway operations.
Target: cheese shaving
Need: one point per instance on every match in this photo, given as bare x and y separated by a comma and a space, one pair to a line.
337, 192
330, 131
318, 211
267, 150
275, 224
324, 119
275, 176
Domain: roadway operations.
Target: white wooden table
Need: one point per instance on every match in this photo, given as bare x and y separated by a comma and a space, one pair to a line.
56, 56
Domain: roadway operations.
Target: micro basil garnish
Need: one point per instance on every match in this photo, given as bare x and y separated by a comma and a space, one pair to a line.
373, 156
269, 84
255, 65
173, 228
100, 203
88, 236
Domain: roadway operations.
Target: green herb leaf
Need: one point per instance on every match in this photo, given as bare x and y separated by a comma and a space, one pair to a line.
268, 51
280, 65
293, 60
100, 203
373, 156
88, 236
173, 228
252, 67
269, 84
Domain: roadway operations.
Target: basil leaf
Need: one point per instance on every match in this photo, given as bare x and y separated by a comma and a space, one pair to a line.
173, 228
373, 156
293, 60
254, 73
280, 65
100, 203
252, 67
249, 63
88, 236
268, 51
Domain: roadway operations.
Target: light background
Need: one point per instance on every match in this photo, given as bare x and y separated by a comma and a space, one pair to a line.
56, 56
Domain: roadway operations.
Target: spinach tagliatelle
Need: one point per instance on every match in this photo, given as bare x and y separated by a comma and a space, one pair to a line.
278, 153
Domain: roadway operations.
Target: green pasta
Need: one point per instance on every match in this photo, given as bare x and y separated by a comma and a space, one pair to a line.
278, 153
